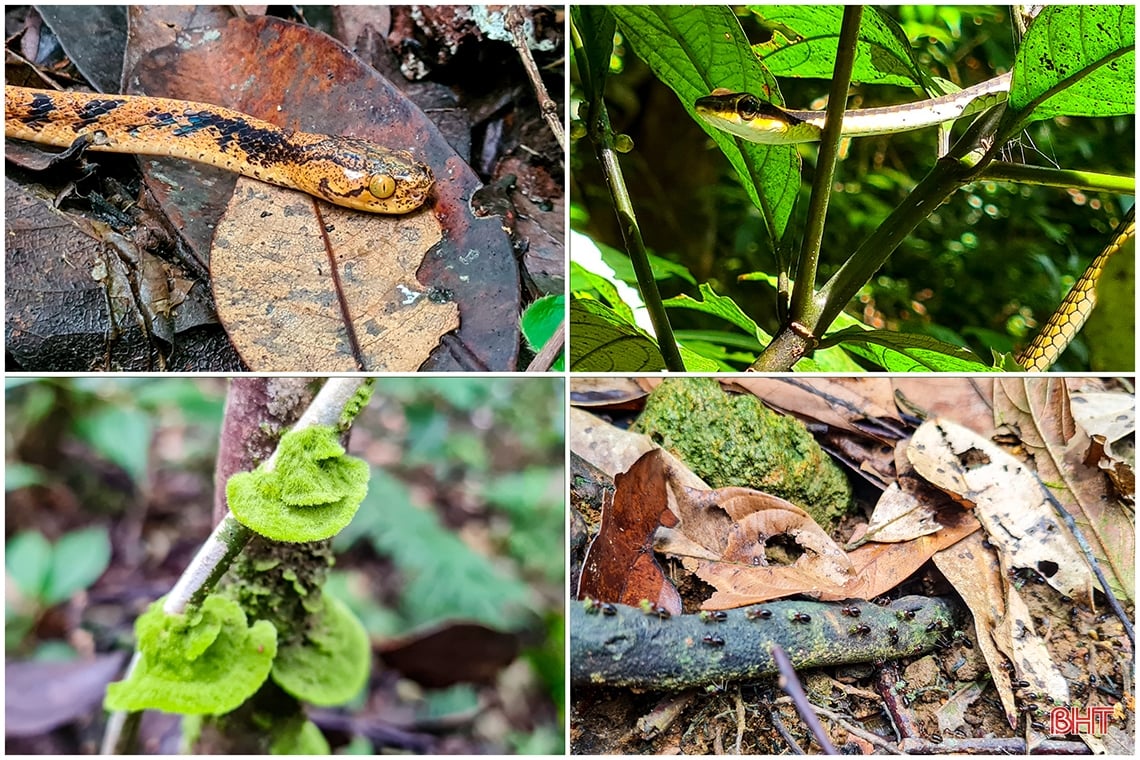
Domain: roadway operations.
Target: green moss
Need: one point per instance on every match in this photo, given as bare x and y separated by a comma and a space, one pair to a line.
734, 440
355, 404
204, 662
310, 495
330, 664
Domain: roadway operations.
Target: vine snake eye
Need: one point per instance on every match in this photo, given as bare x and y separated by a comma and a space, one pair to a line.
382, 186
748, 107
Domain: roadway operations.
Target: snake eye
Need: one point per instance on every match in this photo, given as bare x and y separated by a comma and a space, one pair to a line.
748, 107
382, 186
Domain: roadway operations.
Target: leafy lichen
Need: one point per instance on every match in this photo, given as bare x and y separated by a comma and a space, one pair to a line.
329, 665
206, 661
310, 495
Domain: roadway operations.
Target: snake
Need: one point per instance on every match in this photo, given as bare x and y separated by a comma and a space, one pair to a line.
1063, 325
756, 120
346, 171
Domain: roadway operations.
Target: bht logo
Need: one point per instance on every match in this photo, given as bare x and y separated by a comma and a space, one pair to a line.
1080, 720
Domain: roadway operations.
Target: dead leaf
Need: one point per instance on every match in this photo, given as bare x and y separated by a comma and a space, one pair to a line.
302, 285
619, 565
451, 652
1008, 499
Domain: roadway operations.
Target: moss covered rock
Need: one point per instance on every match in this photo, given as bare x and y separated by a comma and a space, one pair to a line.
734, 440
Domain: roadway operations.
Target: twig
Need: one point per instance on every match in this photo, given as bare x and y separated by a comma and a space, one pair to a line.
790, 683
851, 728
785, 734
516, 23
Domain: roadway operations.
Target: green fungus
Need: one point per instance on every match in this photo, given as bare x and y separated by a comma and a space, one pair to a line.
206, 661
329, 664
310, 495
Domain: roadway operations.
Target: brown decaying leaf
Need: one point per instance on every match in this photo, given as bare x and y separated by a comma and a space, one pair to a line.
308, 287
619, 564
451, 652
1008, 499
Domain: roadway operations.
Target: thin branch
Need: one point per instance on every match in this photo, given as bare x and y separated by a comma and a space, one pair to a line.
516, 22
545, 358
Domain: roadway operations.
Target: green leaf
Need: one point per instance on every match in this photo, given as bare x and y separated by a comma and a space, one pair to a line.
595, 26
539, 322
582, 281
906, 352
1076, 60
696, 49
27, 557
122, 435
19, 475
600, 341
805, 39
720, 306
79, 558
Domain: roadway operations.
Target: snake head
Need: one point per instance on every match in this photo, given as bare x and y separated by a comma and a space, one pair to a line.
362, 175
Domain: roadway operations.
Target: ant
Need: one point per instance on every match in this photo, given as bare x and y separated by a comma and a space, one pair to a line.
851, 611
717, 616
859, 630
758, 613
801, 617
713, 640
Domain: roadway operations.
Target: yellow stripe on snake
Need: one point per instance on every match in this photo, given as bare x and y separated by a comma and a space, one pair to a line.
1070, 316
346, 171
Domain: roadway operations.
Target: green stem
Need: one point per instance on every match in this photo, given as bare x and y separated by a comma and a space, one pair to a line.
601, 133
1003, 171
803, 305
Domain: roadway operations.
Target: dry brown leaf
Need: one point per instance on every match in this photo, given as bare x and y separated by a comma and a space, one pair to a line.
976, 575
859, 405
966, 400
302, 286
1040, 411
1008, 499
619, 564
908, 508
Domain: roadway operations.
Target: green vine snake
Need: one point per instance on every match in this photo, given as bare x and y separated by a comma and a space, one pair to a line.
745, 115
754, 119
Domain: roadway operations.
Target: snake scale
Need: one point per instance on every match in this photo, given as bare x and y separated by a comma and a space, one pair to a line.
347, 171
616, 645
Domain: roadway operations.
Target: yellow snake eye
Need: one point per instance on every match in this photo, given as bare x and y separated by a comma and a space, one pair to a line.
382, 186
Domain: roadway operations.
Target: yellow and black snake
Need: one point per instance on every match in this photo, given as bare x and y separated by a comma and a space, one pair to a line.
346, 171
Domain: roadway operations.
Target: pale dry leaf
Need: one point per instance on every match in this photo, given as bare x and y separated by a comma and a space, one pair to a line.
334, 291
1009, 502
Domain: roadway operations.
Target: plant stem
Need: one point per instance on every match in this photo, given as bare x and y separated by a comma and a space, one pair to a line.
1003, 171
601, 133
803, 303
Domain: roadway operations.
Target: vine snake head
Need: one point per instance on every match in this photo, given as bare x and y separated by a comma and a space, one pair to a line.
365, 176
745, 115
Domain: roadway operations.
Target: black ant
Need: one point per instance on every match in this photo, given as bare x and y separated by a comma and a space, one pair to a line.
758, 613
608, 609
851, 611
859, 630
716, 616
713, 640
801, 617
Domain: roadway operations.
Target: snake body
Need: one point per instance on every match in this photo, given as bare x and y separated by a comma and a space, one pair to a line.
346, 171
756, 120
1063, 325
